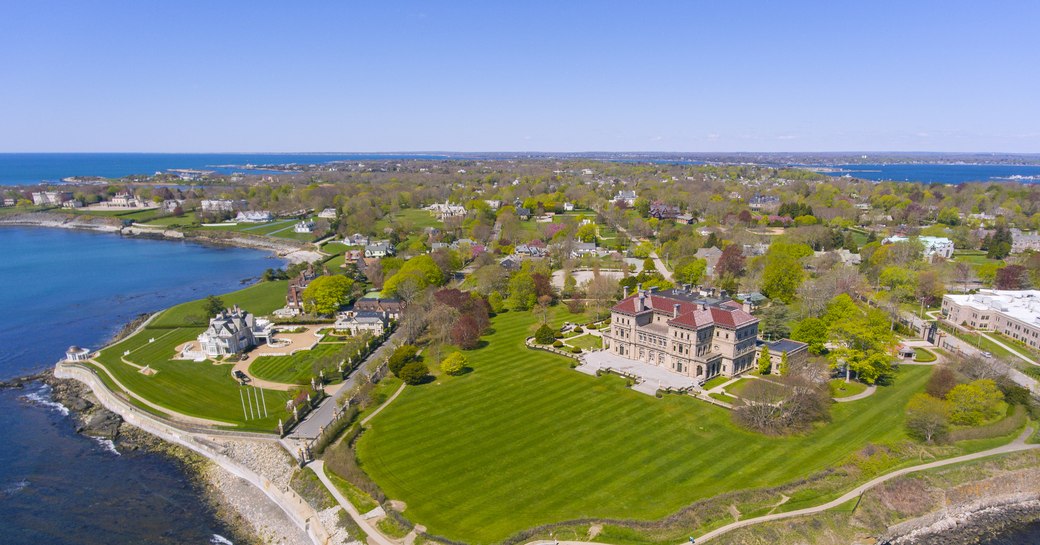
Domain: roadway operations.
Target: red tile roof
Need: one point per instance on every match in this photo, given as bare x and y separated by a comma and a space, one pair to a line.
728, 314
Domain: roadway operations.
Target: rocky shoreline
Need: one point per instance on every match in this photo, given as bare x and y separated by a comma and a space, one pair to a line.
292, 251
250, 516
980, 522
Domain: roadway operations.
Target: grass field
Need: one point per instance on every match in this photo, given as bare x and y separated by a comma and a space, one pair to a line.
524, 440
294, 369
586, 342
840, 388
196, 389
260, 299
924, 355
978, 341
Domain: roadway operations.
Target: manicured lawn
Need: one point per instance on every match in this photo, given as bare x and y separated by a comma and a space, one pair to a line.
924, 355
586, 342
715, 382
254, 228
188, 219
260, 299
524, 440
334, 247
196, 389
740, 387
295, 369
840, 388
978, 341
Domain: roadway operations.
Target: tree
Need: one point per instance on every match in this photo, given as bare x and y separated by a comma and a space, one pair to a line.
325, 294
522, 292
731, 262
774, 322
691, 272
402, 356
495, 301
812, 331
781, 277
783, 367
414, 373
416, 274
544, 335
941, 382
586, 233
454, 364
1012, 277
927, 418
214, 305
974, 403
765, 363
466, 332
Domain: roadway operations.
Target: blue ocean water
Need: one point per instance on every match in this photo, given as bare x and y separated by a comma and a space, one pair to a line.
68, 287
31, 168
944, 174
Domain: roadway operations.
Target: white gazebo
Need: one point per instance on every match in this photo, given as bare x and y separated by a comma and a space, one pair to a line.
75, 353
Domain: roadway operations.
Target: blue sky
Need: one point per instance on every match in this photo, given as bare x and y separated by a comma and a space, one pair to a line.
545, 76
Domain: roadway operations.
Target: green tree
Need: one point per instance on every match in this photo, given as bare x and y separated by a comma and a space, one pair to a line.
403, 355
417, 273
586, 233
812, 331
783, 272
454, 364
522, 292
214, 305
325, 294
765, 363
782, 368
691, 272
927, 418
544, 335
495, 302
950, 216
414, 373
974, 403
643, 250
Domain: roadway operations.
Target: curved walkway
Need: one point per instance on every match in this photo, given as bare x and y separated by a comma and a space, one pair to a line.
374, 535
384, 405
1018, 445
865, 393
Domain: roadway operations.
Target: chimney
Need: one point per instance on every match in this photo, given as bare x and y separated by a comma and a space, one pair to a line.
704, 306
675, 310
641, 305
626, 293
639, 287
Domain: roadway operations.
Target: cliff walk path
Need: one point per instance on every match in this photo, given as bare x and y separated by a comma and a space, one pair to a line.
1018, 445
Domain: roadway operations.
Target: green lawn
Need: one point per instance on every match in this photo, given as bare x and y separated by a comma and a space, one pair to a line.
260, 299
716, 382
978, 341
586, 342
524, 440
840, 388
187, 220
295, 369
924, 355
975, 258
196, 389
254, 228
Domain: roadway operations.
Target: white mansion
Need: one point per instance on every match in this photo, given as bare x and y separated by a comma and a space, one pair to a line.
1013, 313
684, 332
233, 331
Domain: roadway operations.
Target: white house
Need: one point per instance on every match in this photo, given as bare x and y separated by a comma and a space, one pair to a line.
933, 246
568, 207
626, 195
327, 214
357, 239
358, 322
75, 353
304, 227
233, 331
40, 198
220, 205
380, 248
254, 216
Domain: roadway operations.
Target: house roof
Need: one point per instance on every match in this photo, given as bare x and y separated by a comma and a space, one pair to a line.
692, 313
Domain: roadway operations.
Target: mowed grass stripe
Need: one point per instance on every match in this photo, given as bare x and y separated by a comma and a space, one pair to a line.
525, 440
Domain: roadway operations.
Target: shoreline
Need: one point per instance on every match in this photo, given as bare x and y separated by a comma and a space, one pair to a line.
289, 250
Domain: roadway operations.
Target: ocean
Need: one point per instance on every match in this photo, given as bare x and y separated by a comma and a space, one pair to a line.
943, 174
32, 168
66, 287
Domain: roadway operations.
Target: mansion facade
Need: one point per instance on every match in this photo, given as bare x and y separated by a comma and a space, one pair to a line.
684, 332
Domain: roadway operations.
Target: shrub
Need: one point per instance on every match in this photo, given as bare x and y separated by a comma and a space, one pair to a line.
454, 364
414, 373
557, 344
575, 350
941, 382
927, 418
579, 330
544, 335
403, 355
973, 403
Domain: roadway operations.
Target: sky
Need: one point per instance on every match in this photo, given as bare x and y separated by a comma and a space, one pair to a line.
696, 76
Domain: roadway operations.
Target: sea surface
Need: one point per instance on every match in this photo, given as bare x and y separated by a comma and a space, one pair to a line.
943, 174
32, 168
65, 287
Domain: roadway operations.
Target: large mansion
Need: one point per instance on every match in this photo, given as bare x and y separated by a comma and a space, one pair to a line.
684, 332
1014, 313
